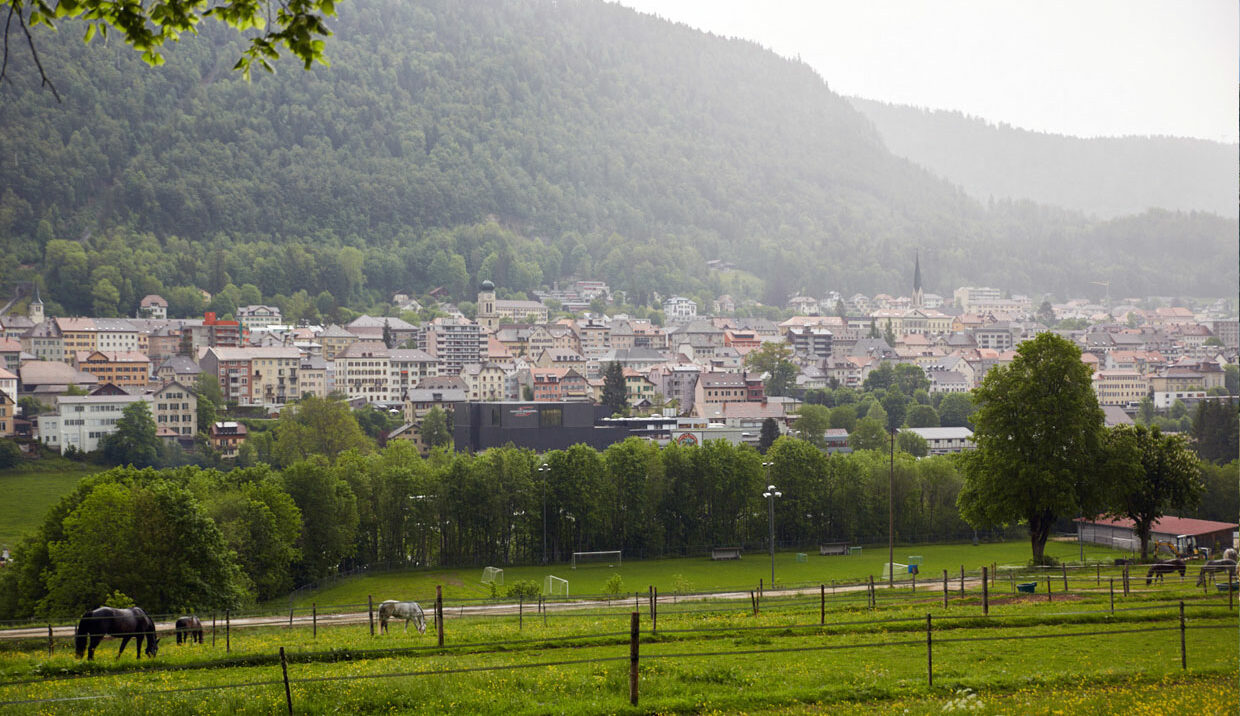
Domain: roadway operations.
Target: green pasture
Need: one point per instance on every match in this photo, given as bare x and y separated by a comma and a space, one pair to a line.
696, 574
707, 657
28, 491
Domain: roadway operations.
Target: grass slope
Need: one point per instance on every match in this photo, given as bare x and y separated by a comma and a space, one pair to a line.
27, 492
706, 658
693, 574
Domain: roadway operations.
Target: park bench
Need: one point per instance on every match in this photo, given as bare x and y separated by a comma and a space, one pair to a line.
836, 549
725, 553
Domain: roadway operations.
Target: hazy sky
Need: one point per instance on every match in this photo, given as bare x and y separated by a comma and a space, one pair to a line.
1085, 68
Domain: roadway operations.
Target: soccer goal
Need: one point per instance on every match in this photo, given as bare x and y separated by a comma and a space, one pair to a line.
492, 575
553, 586
610, 558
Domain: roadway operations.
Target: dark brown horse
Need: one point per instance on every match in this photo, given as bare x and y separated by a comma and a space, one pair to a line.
189, 629
132, 623
1158, 569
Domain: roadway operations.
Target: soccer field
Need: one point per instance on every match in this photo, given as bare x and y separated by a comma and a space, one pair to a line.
695, 574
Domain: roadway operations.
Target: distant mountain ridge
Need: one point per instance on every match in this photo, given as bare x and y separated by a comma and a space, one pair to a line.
522, 141
1104, 176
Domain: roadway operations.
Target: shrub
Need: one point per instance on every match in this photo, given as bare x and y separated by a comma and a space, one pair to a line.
524, 589
614, 585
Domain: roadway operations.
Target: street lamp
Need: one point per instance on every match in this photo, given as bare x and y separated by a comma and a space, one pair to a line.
770, 495
544, 469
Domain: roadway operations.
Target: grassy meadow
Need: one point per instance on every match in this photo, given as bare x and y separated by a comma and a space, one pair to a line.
706, 657
29, 490
696, 574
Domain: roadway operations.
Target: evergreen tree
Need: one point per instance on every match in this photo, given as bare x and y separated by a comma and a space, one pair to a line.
770, 433
615, 396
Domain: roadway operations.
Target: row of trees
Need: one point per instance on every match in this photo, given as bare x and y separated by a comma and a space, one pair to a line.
189, 537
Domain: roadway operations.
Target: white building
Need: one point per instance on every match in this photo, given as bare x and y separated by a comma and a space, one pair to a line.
679, 308
942, 441
252, 317
82, 421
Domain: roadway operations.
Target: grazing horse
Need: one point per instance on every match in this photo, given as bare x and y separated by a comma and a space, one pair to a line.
1158, 569
1215, 565
402, 610
1229, 553
132, 623
189, 630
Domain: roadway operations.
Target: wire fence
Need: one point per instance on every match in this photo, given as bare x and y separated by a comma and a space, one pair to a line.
1175, 621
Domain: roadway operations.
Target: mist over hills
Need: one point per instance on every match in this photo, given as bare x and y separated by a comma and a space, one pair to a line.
525, 141
1103, 176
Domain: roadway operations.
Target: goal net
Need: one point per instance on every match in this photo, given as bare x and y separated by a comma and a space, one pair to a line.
610, 558
901, 570
492, 575
553, 586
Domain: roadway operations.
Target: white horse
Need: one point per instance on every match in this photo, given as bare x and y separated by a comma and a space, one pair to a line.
1213, 566
409, 611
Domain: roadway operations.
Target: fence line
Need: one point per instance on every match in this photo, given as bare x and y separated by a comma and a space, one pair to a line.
673, 655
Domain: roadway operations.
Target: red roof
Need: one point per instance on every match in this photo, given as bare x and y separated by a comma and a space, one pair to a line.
1169, 525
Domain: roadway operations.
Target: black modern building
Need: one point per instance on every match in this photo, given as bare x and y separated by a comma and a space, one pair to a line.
541, 426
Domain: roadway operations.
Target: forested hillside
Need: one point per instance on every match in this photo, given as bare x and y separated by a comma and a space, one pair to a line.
524, 141
1104, 176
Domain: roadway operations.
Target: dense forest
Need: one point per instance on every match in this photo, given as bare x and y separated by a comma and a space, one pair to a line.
526, 141
1104, 176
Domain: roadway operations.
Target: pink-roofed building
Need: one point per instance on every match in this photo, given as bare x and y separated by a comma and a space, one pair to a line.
1181, 531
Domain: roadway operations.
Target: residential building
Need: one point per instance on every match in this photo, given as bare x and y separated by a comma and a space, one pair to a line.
10, 354
334, 339
372, 328
175, 409
274, 379
122, 368
226, 437
44, 341
810, 343
181, 369
258, 316
8, 383
454, 342
211, 333
560, 384
8, 414
1120, 387
967, 297
409, 366
678, 309
312, 377
485, 382
152, 306
363, 370
83, 421
46, 379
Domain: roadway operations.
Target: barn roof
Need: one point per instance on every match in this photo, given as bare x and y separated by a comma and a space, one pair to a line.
1168, 525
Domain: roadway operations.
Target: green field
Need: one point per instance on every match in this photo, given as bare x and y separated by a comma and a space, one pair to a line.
696, 574
707, 657
27, 492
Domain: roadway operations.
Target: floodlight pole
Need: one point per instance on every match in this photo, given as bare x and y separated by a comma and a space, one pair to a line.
770, 495
891, 515
544, 469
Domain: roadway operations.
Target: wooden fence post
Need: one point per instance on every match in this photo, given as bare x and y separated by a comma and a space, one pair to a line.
288, 694
1065, 577
985, 592
50, 643
1098, 575
1125, 580
962, 581
929, 654
520, 612
994, 575
634, 624
227, 631
1231, 582
822, 604
212, 630
439, 612
314, 617
914, 581
290, 616
370, 611
1049, 598
654, 614
873, 597
1112, 595
945, 589
1183, 647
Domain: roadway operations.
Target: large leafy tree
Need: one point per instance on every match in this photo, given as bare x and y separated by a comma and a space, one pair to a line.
295, 25
329, 517
1216, 431
955, 410
318, 426
774, 360
435, 429
812, 423
1039, 441
135, 441
1149, 473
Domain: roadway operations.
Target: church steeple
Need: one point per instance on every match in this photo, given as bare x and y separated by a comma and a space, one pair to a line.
35, 309
917, 280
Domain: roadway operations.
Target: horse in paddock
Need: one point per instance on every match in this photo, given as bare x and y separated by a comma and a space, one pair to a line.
132, 623
409, 611
1215, 565
1158, 569
189, 630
